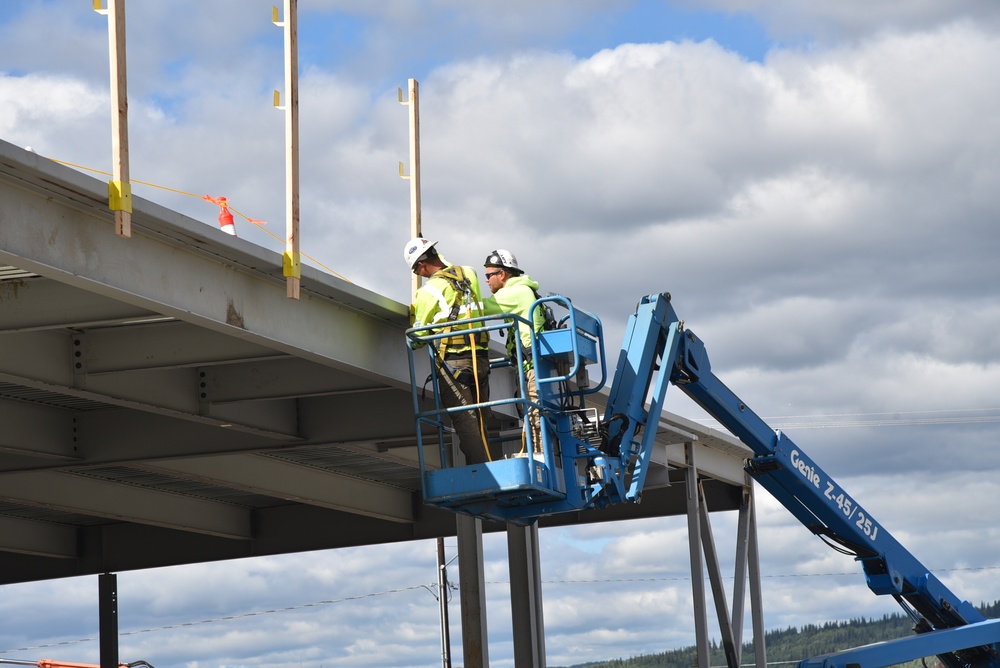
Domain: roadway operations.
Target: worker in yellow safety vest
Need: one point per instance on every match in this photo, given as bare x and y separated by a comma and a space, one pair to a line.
514, 292
451, 295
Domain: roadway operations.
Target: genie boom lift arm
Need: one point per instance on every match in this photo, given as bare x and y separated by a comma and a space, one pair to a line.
591, 462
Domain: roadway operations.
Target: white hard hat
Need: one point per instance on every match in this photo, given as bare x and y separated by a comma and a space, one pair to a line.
503, 259
415, 249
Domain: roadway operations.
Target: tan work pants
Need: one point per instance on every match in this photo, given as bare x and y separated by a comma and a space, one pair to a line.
458, 389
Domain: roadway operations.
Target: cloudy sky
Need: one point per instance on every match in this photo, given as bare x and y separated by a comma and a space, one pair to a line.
814, 182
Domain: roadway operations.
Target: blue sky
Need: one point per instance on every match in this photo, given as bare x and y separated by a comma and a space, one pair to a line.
339, 39
346, 39
814, 182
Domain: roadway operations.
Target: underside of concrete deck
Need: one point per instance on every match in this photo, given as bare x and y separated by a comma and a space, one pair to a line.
163, 402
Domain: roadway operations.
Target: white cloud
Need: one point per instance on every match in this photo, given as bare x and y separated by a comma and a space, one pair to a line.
52, 114
824, 219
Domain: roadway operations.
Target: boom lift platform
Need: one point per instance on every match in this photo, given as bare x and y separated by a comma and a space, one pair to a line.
592, 461
520, 489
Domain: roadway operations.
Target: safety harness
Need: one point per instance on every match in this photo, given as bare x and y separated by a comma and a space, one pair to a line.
464, 297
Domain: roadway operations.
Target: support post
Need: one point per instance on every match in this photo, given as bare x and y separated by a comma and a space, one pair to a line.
756, 599
291, 261
747, 559
694, 550
526, 596
119, 187
472, 589
107, 584
740, 567
715, 577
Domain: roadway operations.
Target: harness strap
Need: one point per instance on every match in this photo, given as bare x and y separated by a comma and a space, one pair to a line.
455, 275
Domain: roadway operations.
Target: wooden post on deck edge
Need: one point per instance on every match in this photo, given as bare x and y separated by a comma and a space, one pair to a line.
291, 263
414, 176
119, 188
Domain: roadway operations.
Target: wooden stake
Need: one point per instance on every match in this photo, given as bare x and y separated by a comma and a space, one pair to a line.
119, 188
414, 177
292, 267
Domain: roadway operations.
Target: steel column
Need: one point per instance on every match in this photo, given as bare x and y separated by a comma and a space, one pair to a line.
526, 596
694, 549
472, 590
756, 600
715, 577
107, 584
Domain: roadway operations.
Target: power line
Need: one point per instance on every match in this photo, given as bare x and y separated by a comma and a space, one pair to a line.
885, 419
256, 613
314, 604
684, 578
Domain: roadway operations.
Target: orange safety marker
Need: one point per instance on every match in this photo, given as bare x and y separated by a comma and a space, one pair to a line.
208, 198
226, 221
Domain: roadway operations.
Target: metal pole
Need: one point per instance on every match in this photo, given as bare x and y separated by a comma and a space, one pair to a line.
107, 585
756, 605
694, 549
472, 588
526, 596
443, 605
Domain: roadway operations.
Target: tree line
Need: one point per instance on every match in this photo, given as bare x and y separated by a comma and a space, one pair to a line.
792, 644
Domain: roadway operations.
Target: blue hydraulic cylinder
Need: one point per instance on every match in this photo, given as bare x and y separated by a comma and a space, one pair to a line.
652, 334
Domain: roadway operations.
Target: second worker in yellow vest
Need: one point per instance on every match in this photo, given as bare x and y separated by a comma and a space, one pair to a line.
514, 292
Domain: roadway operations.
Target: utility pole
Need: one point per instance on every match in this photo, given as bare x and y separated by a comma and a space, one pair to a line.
443, 605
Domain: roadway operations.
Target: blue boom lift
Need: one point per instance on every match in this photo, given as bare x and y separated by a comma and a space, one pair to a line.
592, 461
